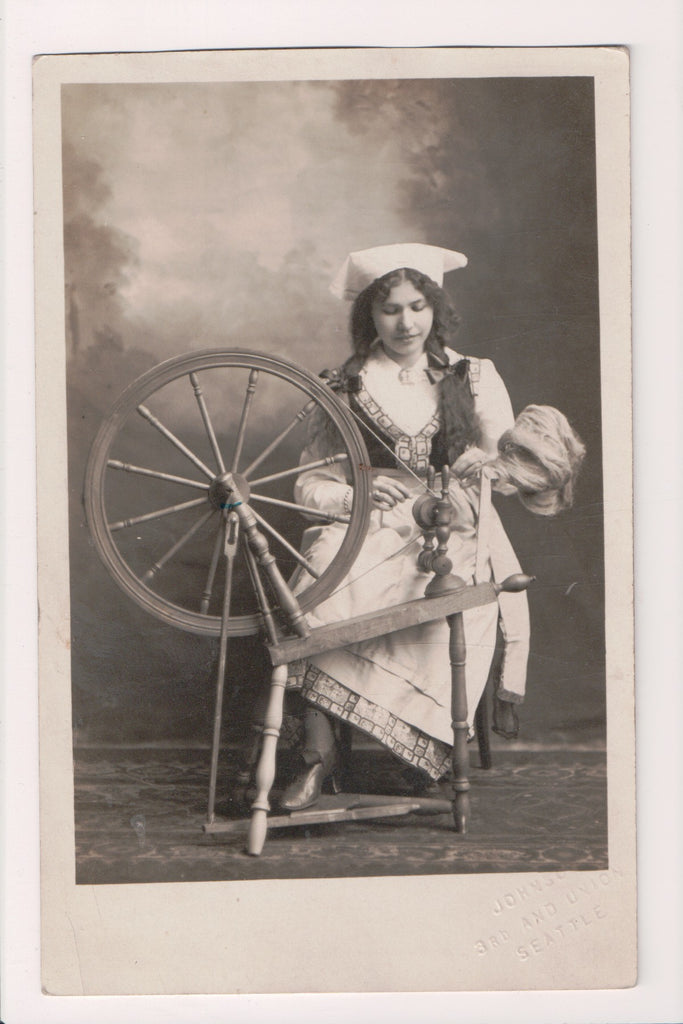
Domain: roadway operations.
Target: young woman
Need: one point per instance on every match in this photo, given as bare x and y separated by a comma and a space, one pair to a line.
418, 403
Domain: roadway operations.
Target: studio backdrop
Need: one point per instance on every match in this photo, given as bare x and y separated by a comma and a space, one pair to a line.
215, 215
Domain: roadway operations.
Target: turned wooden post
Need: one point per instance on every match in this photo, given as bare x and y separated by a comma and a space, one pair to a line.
259, 547
435, 517
265, 773
460, 757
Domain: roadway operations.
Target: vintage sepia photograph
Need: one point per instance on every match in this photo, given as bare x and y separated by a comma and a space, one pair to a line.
338, 357
206, 224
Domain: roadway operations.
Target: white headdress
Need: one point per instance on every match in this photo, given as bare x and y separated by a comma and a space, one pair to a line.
361, 268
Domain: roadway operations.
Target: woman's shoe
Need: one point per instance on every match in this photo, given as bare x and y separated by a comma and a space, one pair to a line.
306, 788
321, 759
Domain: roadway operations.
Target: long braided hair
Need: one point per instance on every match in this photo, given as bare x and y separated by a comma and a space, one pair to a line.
459, 420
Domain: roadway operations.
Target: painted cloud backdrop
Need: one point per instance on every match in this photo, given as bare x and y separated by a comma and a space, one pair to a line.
214, 215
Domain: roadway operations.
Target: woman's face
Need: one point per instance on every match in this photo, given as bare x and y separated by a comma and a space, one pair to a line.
403, 321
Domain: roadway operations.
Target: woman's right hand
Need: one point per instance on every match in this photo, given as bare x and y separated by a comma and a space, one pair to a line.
387, 493
467, 468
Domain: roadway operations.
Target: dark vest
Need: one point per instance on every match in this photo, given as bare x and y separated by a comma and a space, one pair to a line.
429, 450
387, 447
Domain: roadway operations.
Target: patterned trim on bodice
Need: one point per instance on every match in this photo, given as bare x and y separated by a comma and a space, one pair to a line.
412, 450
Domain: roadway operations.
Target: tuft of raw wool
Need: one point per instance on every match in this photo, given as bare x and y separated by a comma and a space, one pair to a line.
540, 456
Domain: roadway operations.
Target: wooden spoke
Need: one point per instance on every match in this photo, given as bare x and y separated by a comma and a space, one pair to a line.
159, 514
206, 596
158, 425
295, 470
199, 395
161, 562
285, 543
257, 582
126, 467
300, 416
328, 517
189, 452
248, 399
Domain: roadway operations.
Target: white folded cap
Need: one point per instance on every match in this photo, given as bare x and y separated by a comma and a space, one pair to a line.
361, 268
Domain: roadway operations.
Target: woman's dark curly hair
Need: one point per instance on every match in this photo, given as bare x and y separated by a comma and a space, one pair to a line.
363, 331
459, 420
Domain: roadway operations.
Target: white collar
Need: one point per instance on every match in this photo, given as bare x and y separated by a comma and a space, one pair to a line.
379, 357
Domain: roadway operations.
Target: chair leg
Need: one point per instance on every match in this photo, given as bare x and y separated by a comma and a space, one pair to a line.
482, 717
345, 747
481, 726
460, 756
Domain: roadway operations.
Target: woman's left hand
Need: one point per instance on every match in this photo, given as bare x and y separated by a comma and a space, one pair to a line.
467, 468
387, 493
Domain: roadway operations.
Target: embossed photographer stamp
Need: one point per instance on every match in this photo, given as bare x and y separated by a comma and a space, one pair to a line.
548, 911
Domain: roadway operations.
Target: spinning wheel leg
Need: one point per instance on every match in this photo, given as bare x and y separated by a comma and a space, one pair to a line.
229, 549
460, 759
265, 773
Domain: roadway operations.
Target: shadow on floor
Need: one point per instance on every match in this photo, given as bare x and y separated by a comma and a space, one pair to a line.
139, 817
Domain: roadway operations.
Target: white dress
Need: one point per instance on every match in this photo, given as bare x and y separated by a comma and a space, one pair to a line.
397, 687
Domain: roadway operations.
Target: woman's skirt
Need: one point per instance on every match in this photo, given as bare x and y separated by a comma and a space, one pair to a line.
397, 688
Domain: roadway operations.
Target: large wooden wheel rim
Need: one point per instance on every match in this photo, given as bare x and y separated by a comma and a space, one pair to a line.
314, 392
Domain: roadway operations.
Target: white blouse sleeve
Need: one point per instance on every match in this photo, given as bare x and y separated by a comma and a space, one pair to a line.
493, 406
325, 488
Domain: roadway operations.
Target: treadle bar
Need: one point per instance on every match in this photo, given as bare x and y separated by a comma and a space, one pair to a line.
390, 808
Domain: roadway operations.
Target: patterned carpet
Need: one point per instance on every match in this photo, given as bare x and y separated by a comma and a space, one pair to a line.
139, 817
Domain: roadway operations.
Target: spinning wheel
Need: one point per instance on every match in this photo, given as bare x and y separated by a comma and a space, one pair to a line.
223, 472
227, 561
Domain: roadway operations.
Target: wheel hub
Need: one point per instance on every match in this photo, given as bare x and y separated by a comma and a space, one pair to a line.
229, 490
